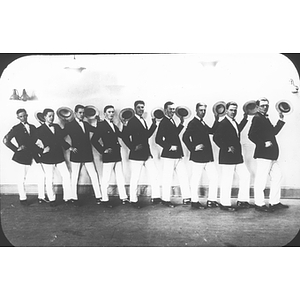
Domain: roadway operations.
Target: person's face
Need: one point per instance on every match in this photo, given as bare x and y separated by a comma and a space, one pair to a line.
231, 111
22, 116
170, 111
49, 118
140, 109
201, 111
109, 114
263, 106
80, 114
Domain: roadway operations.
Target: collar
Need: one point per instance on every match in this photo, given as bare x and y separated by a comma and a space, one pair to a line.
201, 120
230, 119
78, 121
139, 117
108, 121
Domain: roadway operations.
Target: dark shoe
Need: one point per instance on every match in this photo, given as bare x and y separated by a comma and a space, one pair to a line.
279, 206
125, 201
242, 204
24, 202
106, 204
167, 203
227, 207
197, 205
186, 201
43, 200
135, 204
155, 200
264, 208
212, 204
53, 203
98, 200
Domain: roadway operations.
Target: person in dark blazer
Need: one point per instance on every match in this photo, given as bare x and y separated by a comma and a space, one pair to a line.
262, 133
81, 152
51, 136
136, 136
25, 152
227, 138
167, 137
196, 139
110, 149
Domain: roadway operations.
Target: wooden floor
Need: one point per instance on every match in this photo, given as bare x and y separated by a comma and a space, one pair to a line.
151, 226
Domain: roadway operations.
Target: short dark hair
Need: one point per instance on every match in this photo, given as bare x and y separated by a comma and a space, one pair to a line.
20, 110
231, 103
47, 110
200, 104
107, 107
77, 107
261, 99
167, 104
137, 102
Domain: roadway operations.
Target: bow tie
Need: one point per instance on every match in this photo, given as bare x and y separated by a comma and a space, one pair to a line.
25, 123
51, 125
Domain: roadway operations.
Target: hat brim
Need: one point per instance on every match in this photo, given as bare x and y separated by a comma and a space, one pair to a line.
65, 113
157, 113
91, 112
39, 116
219, 108
182, 111
126, 114
283, 106
250, 107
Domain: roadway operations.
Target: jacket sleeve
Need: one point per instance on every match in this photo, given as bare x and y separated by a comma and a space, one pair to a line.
126, 136
95, 140
187, 138
278, 126
62, 141
212, 130
151, 129
242, 124
254, 133
7, 140
160, 136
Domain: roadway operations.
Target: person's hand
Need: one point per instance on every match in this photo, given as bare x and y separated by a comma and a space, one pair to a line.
245, 115
138, 147
231, 149
281, 116
125, 123
108, 150
74, 150
22, 147
268, 144
46, 150
98, 118
173, 148
199, 147
153, 120
217, 116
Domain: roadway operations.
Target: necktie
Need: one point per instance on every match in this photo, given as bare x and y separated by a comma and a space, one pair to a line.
144, 122
173, 121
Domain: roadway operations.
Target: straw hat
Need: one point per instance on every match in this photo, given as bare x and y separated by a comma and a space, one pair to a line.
250, 107
157, 113
91, 112
284, 106
39, 116
219, 108
65, 113
126, 114
182, 111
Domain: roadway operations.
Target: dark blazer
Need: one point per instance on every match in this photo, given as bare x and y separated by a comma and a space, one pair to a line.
32, 151
198, 133
226, 136
168, 135
80, 140
261, 131
134, 134
109, 139
56, 143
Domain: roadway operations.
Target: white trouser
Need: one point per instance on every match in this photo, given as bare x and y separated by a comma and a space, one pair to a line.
21, 174
91, 170
136, 168
265, 167
107, 170
66, 180
212, 174
226, 183
169, 166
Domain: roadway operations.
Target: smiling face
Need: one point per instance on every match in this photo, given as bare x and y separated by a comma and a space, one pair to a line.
231, 111
263, 106
170, 110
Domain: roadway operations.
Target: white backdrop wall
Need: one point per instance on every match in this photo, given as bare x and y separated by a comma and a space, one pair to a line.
182, 78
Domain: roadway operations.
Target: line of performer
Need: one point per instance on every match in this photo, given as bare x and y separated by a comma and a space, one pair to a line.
46, 145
